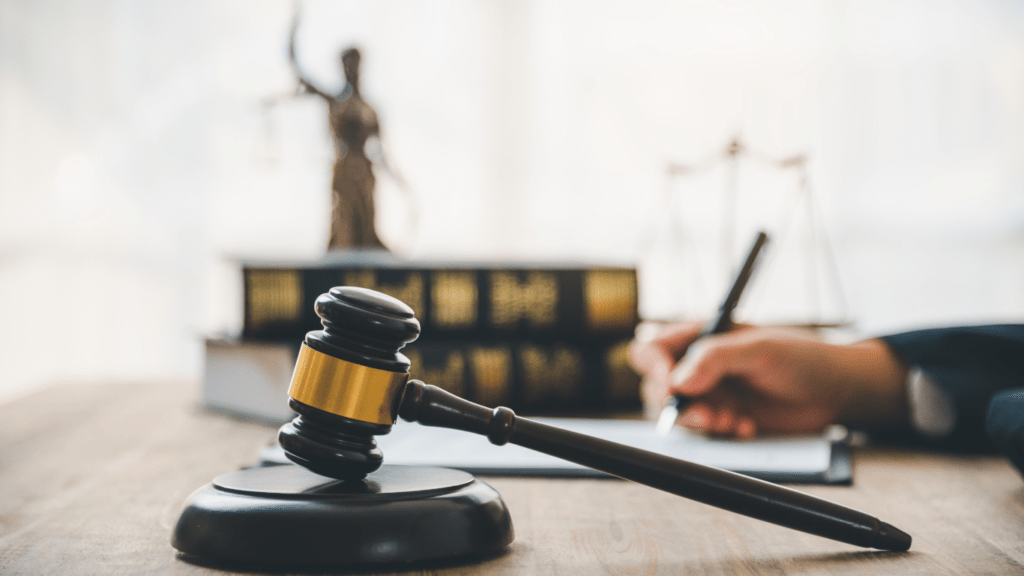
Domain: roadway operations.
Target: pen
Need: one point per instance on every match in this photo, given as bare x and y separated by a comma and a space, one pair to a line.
721, 323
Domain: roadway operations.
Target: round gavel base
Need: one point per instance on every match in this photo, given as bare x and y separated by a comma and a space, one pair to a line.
289, 516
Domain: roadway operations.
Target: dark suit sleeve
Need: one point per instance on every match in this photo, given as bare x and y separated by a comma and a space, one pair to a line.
979, 367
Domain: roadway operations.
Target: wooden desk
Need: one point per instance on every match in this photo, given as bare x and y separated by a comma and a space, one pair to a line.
91, 478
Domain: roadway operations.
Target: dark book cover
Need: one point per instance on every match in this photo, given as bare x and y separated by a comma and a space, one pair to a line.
531, 375
450, 299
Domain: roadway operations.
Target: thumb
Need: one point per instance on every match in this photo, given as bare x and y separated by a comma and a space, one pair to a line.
655, 353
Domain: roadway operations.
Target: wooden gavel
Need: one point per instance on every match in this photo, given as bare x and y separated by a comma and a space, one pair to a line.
351, 383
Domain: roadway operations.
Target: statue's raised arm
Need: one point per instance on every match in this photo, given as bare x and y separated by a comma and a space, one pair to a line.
306, 84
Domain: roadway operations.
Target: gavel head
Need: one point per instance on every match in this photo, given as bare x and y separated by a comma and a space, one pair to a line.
348, 382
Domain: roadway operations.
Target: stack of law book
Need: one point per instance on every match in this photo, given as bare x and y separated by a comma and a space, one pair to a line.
537, 337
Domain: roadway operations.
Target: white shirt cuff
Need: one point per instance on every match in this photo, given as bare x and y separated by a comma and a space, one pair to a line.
931, 411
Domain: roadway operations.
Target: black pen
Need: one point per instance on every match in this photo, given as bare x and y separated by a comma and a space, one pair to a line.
721, 323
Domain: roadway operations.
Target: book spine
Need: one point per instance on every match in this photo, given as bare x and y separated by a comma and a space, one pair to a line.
531, 376
480, 302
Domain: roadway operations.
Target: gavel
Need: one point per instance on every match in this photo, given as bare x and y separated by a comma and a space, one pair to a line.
351, 384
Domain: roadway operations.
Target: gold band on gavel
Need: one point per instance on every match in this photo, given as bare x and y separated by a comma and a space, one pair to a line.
346, 389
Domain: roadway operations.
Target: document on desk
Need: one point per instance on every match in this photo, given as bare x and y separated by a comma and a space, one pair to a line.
798, 459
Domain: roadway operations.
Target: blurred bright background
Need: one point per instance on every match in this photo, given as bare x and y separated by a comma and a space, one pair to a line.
144, 145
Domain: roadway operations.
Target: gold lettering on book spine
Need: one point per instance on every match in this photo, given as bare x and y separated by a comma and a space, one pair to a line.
273, 296
535, 300
610, 297
551, 372
492, 375
453, 299
623, 382
449, 375
411, 291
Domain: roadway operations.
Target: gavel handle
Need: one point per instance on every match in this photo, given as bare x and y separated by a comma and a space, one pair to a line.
432, 406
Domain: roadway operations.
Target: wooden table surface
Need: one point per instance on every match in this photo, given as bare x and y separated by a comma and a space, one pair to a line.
92, 477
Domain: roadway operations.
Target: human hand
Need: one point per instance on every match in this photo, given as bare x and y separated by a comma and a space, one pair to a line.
654, 353
772, 380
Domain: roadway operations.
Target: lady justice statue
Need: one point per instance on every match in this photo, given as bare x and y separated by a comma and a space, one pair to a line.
353, 122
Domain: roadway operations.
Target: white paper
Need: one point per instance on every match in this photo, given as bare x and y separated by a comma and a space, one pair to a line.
413, 444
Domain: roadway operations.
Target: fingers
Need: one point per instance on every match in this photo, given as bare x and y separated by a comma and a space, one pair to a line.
676, 338
744, 353
709, 362
746, 428
721, 421
713, 373
656, 354
724, 422
697, 417
757, 380
653, 353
